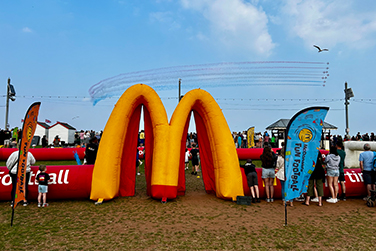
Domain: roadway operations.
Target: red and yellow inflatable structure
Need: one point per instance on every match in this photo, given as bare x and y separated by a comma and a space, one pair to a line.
114, 172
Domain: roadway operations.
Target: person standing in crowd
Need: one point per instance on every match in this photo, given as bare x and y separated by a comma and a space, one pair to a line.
372, 137
44, 141
273, 141
56, 141
91, 151
341, 177
42, 180
186, 158
244, 139
7, 137
240, 140
138, 162
268, 159
142, 138
332, 161
281, 173
317, 178
82, 137
12, 165
366, 166
77, 139
252, 180
256, 138
194, 159
266, 138
260, 140
365, 137
2, 135
235, 138
358, 137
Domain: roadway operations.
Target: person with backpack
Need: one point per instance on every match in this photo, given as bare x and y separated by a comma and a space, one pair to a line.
366, 165
268, 159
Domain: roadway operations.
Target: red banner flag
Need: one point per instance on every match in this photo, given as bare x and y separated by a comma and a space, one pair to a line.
28, 130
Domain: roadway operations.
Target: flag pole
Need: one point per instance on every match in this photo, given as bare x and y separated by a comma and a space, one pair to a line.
285, 213
11, 222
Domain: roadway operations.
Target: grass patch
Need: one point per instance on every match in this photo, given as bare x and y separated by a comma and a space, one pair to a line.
195, 221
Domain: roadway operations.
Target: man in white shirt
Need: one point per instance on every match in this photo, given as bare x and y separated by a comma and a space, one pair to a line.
12, 165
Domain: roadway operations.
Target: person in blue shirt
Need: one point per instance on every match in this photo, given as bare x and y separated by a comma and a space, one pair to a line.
366, 166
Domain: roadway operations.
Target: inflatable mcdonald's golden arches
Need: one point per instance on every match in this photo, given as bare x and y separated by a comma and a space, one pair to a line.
114, 172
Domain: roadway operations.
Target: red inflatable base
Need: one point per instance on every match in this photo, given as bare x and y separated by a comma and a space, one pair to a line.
353, 181
68, 182
74, 182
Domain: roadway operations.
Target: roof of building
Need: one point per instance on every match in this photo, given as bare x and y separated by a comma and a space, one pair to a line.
282, 125
44, 125
69, 127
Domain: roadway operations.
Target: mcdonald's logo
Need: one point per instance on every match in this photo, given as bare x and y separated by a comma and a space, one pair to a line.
114, 172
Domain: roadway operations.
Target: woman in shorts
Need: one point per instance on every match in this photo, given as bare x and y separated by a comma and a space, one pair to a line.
268, 159
332, 171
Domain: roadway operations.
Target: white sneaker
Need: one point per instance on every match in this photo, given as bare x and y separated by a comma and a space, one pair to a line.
331, 200
315, 199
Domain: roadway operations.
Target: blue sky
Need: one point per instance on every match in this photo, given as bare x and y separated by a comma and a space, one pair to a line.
55, 50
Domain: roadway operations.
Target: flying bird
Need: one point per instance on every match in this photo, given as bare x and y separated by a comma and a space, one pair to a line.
320, 50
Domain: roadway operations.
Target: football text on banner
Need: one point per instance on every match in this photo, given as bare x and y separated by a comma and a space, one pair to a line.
303, 135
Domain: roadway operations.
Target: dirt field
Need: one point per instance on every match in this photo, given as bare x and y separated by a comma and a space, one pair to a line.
196, 221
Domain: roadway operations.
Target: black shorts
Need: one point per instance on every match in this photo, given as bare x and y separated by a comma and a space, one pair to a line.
194, 162
252, 179
369, 177
341, 177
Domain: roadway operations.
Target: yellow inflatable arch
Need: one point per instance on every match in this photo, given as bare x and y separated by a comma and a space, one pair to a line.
115, 173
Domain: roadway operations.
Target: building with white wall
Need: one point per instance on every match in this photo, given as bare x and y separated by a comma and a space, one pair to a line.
41, 130
63, 130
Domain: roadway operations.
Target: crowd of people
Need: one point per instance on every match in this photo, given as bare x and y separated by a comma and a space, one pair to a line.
331, 168
260, 139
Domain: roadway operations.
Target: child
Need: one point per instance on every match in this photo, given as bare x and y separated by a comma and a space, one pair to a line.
252, 180
187, 154
42, 181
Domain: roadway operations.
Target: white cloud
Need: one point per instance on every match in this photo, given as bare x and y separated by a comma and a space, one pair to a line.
236, 23
27, 30
331, 22
165, 18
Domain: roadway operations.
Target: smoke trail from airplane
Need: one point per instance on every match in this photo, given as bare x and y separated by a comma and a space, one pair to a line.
227, 74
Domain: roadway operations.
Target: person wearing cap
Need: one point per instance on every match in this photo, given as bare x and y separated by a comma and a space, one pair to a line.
252, 180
